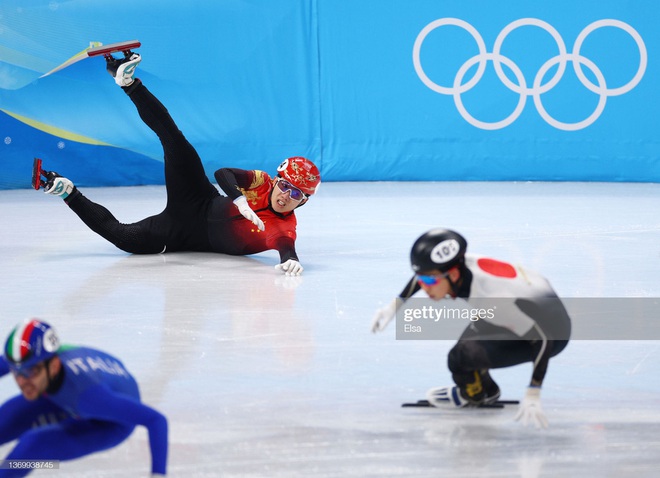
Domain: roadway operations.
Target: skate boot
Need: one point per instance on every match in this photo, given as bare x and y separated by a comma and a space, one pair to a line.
482, 390
57, 185
491, 389
122, 70
478, 387
447, 397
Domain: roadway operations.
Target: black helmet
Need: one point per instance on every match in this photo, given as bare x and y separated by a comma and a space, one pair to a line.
438, 249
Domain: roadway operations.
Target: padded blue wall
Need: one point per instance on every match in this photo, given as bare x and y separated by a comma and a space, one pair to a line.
369, 89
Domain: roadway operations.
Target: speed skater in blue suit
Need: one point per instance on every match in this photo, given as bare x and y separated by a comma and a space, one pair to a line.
74, 401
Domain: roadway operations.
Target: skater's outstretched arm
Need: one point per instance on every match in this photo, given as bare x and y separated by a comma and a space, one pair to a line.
103, 404
385, 314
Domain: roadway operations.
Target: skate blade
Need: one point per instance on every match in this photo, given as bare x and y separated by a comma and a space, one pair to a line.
36, 174
427, 404
113, 47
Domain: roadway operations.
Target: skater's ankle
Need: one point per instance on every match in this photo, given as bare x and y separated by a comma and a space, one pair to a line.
72, 195
131, 88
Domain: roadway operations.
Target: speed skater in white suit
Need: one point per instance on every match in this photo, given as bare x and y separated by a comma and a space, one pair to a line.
532, 328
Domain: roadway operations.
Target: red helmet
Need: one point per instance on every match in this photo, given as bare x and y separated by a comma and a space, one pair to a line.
300, 172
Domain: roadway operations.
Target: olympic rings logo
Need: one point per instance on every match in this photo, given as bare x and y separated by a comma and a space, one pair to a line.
538, 87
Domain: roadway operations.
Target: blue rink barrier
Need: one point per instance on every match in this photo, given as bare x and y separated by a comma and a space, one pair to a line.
370, 90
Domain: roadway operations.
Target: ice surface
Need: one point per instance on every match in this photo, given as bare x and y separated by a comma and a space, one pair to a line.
261, 375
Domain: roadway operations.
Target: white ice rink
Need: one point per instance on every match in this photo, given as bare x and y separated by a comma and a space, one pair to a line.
261, 375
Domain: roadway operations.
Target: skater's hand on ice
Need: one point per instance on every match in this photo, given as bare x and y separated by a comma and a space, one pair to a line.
247, 212
530, 411
383, 316
290, 268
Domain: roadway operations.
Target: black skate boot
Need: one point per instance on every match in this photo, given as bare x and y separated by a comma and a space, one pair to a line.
475, 388
491, 389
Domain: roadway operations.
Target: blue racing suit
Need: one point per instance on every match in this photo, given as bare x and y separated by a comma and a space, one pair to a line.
92, 405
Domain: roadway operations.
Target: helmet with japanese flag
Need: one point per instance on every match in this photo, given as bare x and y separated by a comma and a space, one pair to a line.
301, 173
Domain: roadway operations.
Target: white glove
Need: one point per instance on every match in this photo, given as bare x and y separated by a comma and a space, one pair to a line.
383, 316
530, 410
290, 268
247, 212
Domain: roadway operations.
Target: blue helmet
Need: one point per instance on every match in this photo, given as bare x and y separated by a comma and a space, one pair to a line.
29, 343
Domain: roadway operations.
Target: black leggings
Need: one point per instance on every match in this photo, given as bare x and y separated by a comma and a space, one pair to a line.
182, 225
483, 346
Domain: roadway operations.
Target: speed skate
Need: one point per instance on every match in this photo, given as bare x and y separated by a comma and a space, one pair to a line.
96, 48
109, 49
495, 404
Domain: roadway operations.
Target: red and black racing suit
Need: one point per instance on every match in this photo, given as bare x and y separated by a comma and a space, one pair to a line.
196, 217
